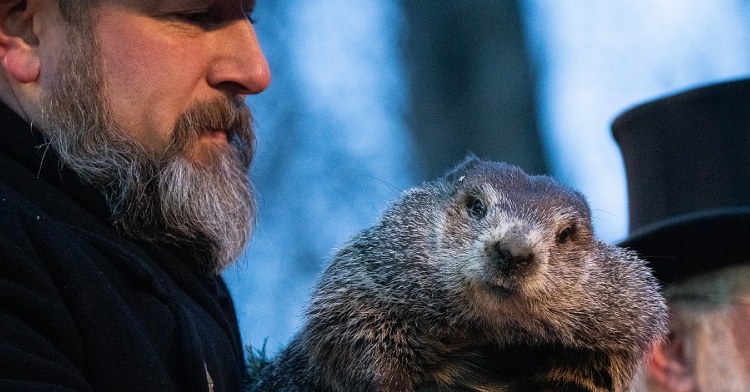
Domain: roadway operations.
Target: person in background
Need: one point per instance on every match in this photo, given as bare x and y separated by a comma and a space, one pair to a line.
125, 143
687, 159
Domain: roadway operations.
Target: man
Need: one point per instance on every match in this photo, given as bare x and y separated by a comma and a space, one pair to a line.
688, 167
124, 148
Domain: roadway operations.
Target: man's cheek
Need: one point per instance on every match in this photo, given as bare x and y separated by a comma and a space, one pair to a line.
741, 333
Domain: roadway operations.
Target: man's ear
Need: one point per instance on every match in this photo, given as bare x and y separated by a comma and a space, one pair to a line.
17, 40
668, 365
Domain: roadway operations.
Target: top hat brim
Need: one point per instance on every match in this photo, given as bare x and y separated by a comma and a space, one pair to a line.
690, 244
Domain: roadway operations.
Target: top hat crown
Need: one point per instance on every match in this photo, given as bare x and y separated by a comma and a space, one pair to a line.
687, 159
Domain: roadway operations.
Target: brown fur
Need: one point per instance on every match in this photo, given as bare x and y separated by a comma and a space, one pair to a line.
485, 279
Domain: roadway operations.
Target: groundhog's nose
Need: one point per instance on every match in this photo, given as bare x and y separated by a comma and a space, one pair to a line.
510, 258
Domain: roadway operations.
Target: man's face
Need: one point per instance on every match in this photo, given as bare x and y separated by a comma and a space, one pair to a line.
152, 112
711, 337
740, 326
720, 355
162, 56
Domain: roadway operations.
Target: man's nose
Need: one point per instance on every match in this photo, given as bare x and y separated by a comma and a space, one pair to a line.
239, 66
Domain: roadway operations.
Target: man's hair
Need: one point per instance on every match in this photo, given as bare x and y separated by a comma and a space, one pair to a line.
76, 12
716, 288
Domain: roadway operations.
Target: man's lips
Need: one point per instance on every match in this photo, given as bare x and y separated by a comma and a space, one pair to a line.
214, 134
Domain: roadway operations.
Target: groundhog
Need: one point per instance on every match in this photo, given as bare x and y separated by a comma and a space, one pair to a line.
486, 279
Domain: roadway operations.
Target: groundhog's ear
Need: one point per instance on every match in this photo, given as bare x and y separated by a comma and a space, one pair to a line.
470, 162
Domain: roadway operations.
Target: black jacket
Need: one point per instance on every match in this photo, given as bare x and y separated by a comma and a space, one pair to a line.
82, 308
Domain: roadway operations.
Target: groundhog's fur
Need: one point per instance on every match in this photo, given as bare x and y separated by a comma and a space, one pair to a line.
487, 279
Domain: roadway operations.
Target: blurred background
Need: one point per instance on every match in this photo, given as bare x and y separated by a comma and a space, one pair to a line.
371, 97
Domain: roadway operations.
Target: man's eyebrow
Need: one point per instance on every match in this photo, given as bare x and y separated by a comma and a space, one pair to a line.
152, 5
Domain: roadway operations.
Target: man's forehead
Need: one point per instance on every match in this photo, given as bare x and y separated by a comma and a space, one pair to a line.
247, 5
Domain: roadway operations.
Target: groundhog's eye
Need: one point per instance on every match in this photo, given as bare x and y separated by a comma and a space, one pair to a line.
476, 207
565, 235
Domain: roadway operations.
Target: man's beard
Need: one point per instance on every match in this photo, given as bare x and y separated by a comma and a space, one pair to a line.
196, 195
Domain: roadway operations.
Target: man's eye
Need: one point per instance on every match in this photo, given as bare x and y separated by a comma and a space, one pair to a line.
206, 18
201, 18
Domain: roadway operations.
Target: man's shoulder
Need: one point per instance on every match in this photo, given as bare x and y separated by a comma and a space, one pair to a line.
17, 214
29, 236
29, 232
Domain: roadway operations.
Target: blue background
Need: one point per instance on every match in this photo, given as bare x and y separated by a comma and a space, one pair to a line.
334, 145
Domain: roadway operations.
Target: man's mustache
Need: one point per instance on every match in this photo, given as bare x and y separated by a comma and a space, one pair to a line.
221, 114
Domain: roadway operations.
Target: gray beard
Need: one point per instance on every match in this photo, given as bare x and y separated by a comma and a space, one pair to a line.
205, 206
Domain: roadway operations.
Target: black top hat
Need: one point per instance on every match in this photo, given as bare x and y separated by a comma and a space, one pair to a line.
687, 159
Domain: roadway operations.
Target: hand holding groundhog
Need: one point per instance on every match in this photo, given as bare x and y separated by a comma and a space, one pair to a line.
486, 279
